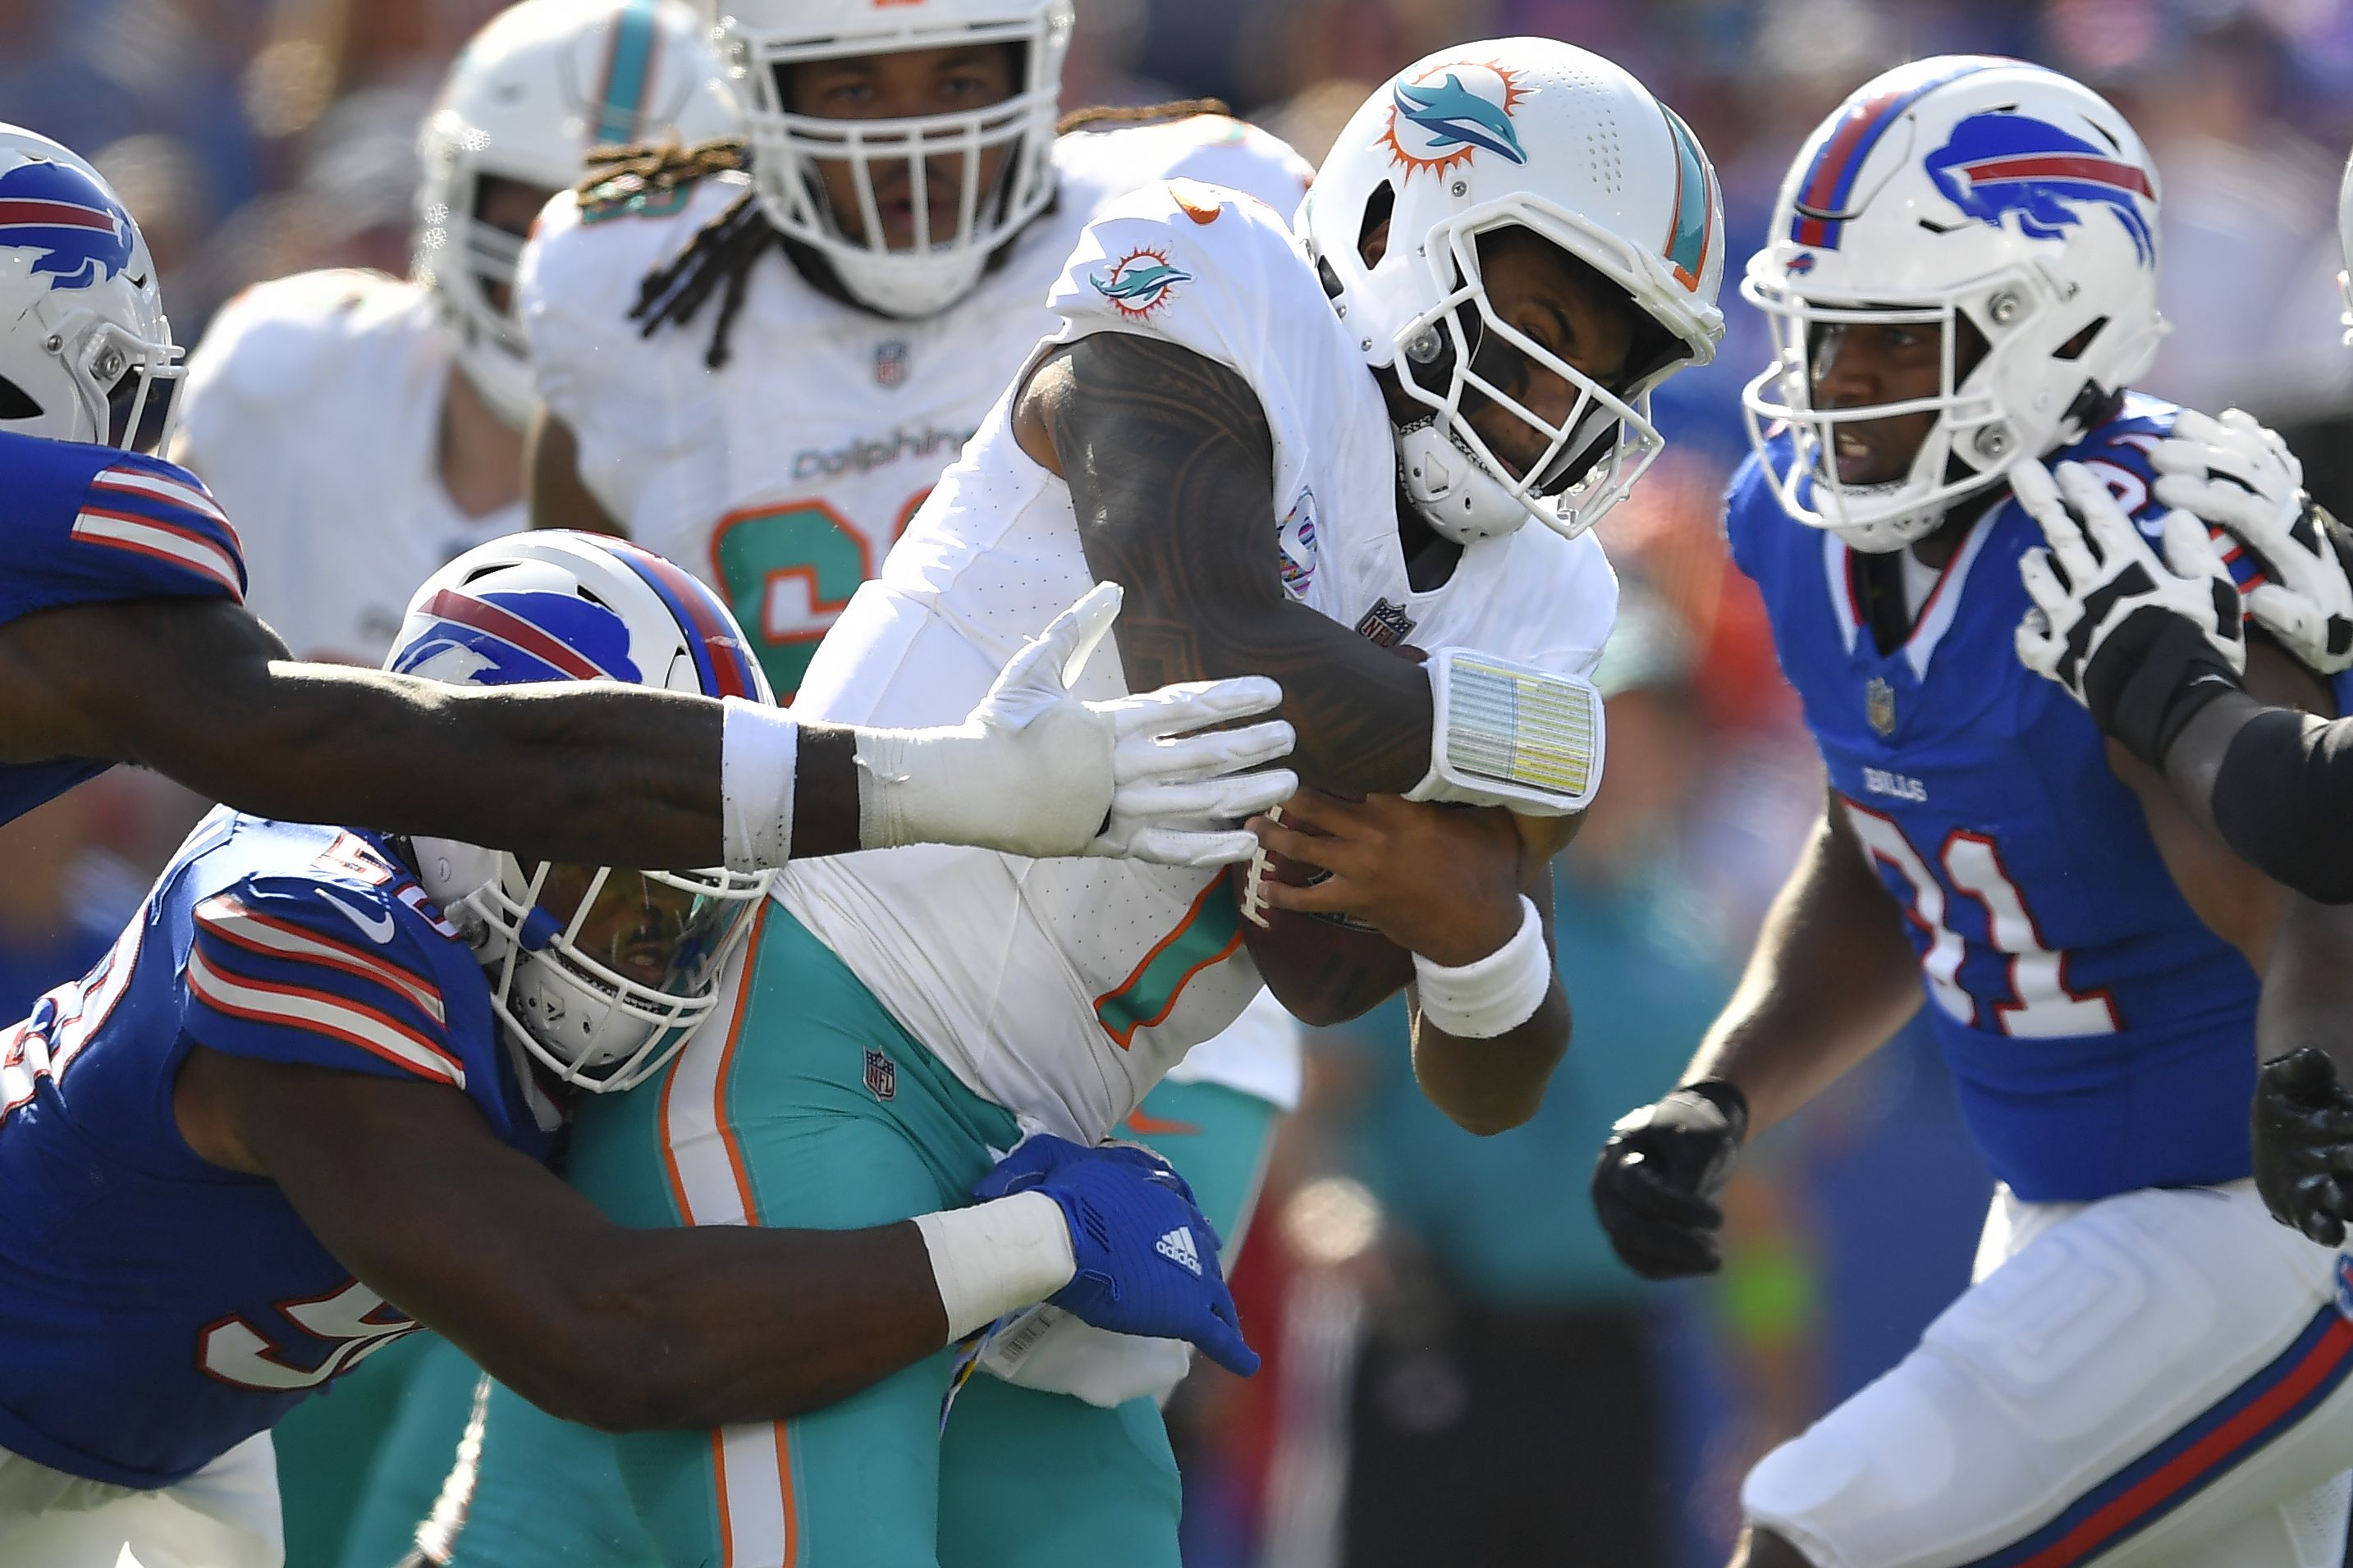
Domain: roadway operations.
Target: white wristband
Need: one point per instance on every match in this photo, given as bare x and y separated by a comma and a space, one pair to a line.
759, 749
997, 1257
1491, 995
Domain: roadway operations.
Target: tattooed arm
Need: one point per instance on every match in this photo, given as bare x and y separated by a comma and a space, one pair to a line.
1171, 469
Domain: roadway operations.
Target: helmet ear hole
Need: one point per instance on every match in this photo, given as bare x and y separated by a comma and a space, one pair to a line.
2074, 347
16, 402
1372, 234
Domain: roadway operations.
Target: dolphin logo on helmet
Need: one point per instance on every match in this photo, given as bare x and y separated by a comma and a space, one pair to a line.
1997, 163
1455, 116
83, 236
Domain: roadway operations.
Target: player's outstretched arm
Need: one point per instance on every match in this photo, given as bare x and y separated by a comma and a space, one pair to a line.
1468, 892
627, 775
631, 1330
1831, 979
1170, 463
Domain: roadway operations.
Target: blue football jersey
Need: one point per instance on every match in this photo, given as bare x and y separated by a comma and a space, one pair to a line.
80, 524
156, 1310
2101, 1037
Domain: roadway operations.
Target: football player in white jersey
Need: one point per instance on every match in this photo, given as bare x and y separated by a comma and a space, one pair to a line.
878, 364
363, 429
1294, 452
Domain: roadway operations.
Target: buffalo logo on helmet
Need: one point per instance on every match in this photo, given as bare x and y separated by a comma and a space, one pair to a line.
1138, 283
83, 235
1453, 112
1998, 163
515, 638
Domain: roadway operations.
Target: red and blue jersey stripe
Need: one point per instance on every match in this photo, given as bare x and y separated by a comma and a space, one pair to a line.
164, 515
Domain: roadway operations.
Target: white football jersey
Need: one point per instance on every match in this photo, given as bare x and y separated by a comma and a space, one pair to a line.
313, 410
1064, 989
784, 478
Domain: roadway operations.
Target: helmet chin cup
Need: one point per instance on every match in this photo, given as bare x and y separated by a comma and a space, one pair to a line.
1884, 536
1452, 490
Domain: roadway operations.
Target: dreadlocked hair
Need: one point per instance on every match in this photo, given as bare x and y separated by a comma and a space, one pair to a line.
1181, 109
720, 255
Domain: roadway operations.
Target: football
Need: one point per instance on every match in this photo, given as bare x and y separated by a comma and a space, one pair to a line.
1324, 968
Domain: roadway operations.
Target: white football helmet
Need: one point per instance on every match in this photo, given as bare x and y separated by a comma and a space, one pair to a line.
535, 89
85, 351
1540, 135
598, 974
763, 39
1960, 191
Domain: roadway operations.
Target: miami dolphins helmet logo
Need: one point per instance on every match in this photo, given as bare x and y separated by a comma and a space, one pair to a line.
1453, 112
1137, 284
1996, 164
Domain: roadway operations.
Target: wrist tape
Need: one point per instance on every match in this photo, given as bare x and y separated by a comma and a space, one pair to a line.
997, 1257
759, 750
1491, 995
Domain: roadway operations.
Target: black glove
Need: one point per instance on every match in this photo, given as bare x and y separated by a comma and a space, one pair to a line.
1654, 1187
2303, 1126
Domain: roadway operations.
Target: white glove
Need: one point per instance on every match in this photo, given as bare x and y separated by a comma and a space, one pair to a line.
2238, 475
1034, 771
2126, 633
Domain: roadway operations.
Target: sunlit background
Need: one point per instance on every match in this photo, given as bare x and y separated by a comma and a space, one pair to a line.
1458, 1372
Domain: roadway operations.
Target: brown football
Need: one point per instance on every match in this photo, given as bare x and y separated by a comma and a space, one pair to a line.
1325, 969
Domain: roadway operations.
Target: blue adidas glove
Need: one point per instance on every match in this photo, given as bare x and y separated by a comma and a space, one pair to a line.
1147, 1259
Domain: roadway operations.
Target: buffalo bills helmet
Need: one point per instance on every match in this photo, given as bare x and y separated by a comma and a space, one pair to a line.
981, 174
538, 86
597, 973
1996, 202
1526, 134
85, 351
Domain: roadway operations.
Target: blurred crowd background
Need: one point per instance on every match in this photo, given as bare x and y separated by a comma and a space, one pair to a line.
1457, 1370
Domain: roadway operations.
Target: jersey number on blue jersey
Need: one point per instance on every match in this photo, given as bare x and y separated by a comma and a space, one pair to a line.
355, 1319
2040, 1004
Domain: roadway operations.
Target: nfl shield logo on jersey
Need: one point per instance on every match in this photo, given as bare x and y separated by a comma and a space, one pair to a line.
889, 362
881, 1075
1879, 705
2345, 1285
1385, 624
